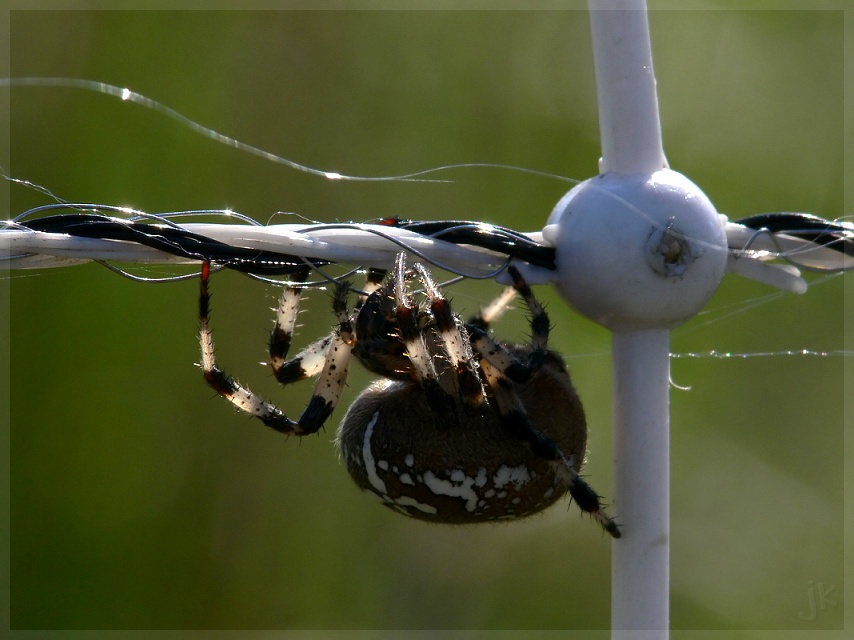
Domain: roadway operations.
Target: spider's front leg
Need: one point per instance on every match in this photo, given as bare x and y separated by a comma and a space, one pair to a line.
510, 366
506, 375
333, 375
460, 379
310, 361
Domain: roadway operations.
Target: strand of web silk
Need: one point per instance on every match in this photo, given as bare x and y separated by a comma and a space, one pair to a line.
127, 95
730, 355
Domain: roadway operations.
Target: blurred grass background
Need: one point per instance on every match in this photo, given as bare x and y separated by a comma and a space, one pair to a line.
138, 502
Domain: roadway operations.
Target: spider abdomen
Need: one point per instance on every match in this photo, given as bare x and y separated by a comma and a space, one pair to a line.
462, 467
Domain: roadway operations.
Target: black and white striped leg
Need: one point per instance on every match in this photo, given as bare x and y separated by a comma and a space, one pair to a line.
517, 423
589, 501
305, 364
286, 319
462, 379
333, 377
327, 391
493, 351
407, 314
540, 325
373, 281
310, 361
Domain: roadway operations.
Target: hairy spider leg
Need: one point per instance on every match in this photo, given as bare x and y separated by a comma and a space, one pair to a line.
283, 331
463, 380
516, 421
310, 360
286, 318
329, 386
407, 315
501, 369
494, 310
493, 351
373, 281
583, 494
307, 363
540, 325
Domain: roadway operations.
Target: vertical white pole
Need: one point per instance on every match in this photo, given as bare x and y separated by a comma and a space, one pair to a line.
639, 249
640, 560
629, 123
631, 144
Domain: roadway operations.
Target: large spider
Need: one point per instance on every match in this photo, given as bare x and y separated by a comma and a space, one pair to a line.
461, 428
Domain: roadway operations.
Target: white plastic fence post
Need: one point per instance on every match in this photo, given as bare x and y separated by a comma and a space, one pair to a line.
640, 249
630, 131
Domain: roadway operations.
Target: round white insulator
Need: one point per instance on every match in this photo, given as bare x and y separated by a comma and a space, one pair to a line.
637, 251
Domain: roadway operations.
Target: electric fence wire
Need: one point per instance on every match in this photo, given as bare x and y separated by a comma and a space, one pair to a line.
64, 233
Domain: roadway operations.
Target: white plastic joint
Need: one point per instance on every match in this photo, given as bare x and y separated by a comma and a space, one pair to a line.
637, 251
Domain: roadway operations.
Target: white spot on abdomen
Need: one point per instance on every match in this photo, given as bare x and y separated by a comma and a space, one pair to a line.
462, 488
410, 502
505, 475
480, 480
368, 457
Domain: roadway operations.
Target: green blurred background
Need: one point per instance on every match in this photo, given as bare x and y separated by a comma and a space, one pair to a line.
138, 501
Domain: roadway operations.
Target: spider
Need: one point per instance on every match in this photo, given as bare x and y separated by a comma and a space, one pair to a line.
461, 428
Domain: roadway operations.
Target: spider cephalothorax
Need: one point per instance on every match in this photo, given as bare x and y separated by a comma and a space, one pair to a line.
461, 428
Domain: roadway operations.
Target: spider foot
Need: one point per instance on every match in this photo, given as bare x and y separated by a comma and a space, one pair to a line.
589, 501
